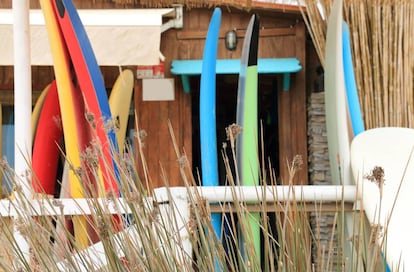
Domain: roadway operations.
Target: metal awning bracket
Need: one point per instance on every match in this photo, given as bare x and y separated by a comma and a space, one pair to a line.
176, 22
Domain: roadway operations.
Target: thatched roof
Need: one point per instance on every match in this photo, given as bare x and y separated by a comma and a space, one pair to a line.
240, 4
197, 3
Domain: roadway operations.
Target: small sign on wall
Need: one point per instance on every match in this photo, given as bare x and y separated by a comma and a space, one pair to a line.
158, 89
150, 71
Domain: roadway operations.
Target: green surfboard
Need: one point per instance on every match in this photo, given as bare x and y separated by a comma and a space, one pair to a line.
247, 118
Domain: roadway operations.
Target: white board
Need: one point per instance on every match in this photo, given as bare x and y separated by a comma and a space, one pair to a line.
335, 100
158, 89
390, 149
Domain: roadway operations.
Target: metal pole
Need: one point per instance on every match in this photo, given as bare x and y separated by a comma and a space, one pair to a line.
22, 107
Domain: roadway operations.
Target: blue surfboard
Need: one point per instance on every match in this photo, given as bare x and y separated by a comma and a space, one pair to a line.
8, 150
350, 83
354, 107
208, 139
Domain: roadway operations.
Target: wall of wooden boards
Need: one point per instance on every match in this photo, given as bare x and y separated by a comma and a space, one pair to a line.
282, 35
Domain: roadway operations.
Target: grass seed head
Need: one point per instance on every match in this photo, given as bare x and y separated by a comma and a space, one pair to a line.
376, 176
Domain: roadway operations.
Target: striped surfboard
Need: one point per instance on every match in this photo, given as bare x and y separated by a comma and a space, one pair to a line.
92, 86
247, 118
75, 132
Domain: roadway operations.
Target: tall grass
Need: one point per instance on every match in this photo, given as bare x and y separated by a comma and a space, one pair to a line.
154, 237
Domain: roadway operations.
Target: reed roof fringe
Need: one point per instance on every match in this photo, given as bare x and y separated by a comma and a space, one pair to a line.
242, 4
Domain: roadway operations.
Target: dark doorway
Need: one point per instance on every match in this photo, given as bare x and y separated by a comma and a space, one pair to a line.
226, 107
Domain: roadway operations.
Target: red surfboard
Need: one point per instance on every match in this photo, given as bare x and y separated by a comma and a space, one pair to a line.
47, 142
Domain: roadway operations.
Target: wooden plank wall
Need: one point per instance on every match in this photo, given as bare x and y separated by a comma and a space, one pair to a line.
281, 36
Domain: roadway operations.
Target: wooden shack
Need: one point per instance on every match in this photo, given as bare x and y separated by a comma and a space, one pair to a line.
282, 35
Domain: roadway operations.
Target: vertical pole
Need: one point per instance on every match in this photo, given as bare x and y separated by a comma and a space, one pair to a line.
22, 107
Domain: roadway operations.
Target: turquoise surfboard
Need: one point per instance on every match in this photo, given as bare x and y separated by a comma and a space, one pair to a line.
208, 139
350, 83
354, 107
247, 118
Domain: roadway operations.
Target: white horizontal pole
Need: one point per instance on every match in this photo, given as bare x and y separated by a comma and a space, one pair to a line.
66, 206
251, 194
282, 193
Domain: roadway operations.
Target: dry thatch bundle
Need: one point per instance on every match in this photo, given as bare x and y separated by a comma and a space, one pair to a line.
381, 32
245, 4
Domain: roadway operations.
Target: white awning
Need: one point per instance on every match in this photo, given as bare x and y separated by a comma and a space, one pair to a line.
118, 37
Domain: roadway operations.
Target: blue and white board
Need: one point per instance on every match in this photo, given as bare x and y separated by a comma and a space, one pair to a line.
208, 139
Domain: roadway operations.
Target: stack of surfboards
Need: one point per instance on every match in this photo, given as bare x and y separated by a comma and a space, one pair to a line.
76, 107
379, 161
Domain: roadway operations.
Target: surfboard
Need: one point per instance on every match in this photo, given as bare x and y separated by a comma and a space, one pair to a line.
37, 109
338, 131
392, 150
8, 149
119, 103
47, 144
72, 113
350, 84
247, 118
335, 99
353, 106
92, 86
208, 140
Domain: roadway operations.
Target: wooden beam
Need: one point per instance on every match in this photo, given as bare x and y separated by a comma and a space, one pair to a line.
265, 32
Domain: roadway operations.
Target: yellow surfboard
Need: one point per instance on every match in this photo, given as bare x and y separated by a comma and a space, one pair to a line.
119, 103
67, 97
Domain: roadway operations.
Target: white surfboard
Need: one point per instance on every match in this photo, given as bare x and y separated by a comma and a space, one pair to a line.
336, 116
391, 149
335, 100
